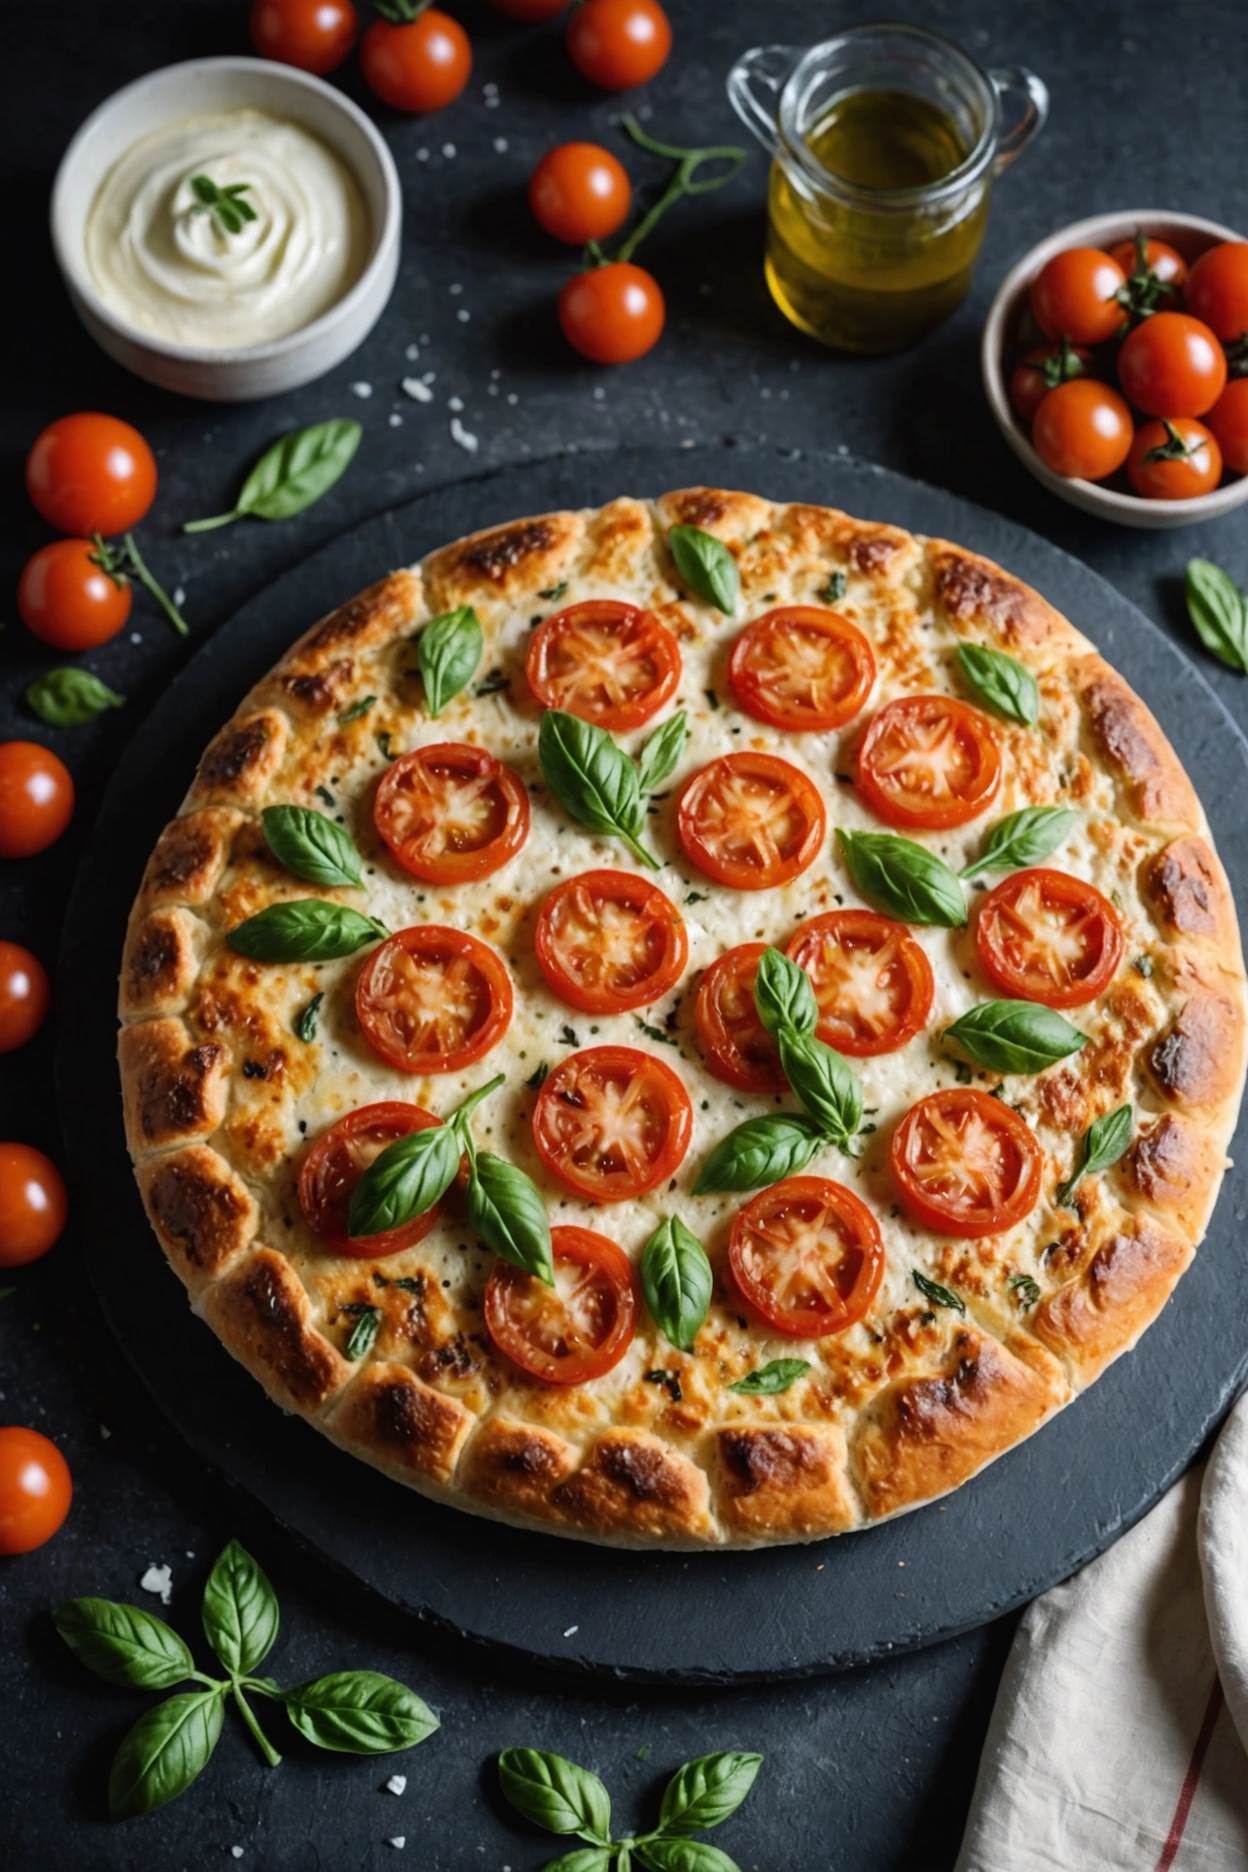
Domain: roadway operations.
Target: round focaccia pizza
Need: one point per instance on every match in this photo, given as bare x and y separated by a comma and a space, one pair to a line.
699, 1022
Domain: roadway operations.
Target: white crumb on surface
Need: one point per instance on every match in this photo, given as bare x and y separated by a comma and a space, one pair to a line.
463, 436
418, 391
395, 420
398, 1842
455, 403
501, 145
455, 288
571, 1631
361, 389
179, 596
236, 1852
422, 155
448, 150
412, 353
396, 1784
463, 315
158, 1580
105, 1432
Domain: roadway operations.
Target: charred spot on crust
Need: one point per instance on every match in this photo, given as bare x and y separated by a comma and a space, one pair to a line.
300, 1359
531, 1457
771, 1459
186, 849
699, 507
155, 951
639, 1468
177, 1100
1193, 1060
872, 552
206, 1213
357, 616
1187, 887
319, 690
973, 591
921, 1406
499, 553
236, 750
1164, 1161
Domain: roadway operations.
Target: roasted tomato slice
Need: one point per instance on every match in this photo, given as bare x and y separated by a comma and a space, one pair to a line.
610, 663
451, 813
1046, 936
433, 1000
337, 1161
751, 821
579, 1329
965, 1163
801, 668
608, 941
929, 760
735, 1045
872, 980
807, 1255
612, 1122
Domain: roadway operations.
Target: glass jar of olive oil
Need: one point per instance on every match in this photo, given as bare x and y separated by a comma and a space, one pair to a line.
885, 142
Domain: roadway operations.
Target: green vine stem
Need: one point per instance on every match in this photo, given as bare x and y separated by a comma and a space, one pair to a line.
684, 183
262, 1741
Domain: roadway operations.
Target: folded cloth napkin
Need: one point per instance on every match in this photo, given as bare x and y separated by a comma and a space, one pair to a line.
1118, 1739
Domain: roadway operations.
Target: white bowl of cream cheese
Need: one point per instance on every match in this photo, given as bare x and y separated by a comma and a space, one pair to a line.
228, 228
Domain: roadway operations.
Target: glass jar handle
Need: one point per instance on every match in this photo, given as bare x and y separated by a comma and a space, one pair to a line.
1035, 111
766, 67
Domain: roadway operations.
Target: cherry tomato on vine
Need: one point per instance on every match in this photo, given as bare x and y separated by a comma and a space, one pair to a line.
36, 798
530, 10
68, 600
24, 996
1228, 420
966, 1163
91, 474
619, 43
35, 1489
420, 64
1217, 290
315, 35
1083, 429
1143, 255
580, 192
1172, 365
1174, 460
1075, 296
33, 1204
1041, 369
612, 314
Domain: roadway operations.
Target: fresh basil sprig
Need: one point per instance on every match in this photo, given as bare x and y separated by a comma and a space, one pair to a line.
305, 930
225, 204
68, 697
676, 1279
759, 1152
1002, 682
1022, 838
777, 1375
823, 1086
448, 651
292, 474
938, 1296
556, 1794
597, 783
706, 566
312, 846
1103, 1144
1015, 1036
903, 878
1219, 610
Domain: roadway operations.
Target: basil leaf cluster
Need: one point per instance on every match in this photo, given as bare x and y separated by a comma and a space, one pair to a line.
598, 784
676, 1280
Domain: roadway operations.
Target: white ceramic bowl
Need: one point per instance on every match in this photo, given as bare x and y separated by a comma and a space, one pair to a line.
1002, 341
214, 84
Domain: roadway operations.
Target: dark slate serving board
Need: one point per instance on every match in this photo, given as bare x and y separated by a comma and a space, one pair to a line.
1036, 1516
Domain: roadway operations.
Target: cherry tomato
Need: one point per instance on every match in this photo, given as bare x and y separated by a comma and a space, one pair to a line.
751, 821
33, 1204
35, 1489
36, 798
1043, 935
965, 1163
420, 66
619, 43
608, 662
580, 192
612, 314
1041, 370
929, 761
872, 980
1075, 296
1155, 274
1228, 419
1217, 290
91, 474
1172, 365
315, 35
1083, 429
337, 1161
608, 941
612, 1123
807, 1255
801, 668
65, 598
530, 10
451, 813
576, 1330
1174, 460
24, 996
433, 1000
735, 1045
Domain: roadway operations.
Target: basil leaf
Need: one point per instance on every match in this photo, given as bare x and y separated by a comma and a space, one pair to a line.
404, 1180
293, 473
124, 1644
506, 1210
582, 1859
592, 778
938, 1295
1025, 1289
305, 930
706, 566
240, 1611
903, 878
164, 1752
554, 1793
676, 1279
1015, 1036
448, 650
66, 698
783, 995
661, 754
706, 1791
1022, 838
759, 1152
1103, 1144
356, 711
305, 1020
1002, 682
822, 1084
684, 1855
363, 1335
775, 1376
1216, 607
359, 1713
311, 845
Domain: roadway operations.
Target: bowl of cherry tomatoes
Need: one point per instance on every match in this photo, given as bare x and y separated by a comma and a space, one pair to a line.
1115, 361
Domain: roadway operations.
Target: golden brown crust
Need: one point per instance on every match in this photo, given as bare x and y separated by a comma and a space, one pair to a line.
525, 556
388, 1416
786, 1480
1175, 1167
635, 1486
241, 761
175, 1090
515, 1467
1129, 740
160, 963
1199, 1060
190, 855
980, 599
729, 516
1106, 1308
1191, 897
261, 1313
369, 619
204, 1216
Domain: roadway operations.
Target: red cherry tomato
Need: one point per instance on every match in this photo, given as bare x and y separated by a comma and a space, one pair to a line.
421, 66
530, 10
33, 1204
612, 314
807, 1255
1217, 290
612, 1123
1083, 429
751, 821
36, 798
575, 1331
451, 813
1174, 460
609, 941
24, 996
35, 1489
1228, 419
1041, 370
929, 761
1043, 935
580, 192
619, 43
336, 1162
735, 1045
872, 980
65, 598
1075, 296
315, 35
965, 1163
801, 668
608, 662
433, 1000
1172, 365
1142, 257
91, 474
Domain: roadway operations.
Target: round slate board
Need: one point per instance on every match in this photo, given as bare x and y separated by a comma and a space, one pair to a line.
1036, 1516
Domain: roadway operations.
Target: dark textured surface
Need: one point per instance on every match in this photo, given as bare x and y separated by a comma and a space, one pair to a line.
869, 1771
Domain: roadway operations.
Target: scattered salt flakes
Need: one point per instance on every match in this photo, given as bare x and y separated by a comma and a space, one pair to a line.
361, 389
398, 1842
418, 391
455, 403
571, 1631
190, 1553
158, 1579
463, 316
395, 420
136, 636
461, 435
412, 353
236, 1852
396, 1784
430, 376
179, 596
448, 150
501, 145
105, 1432
512, 397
